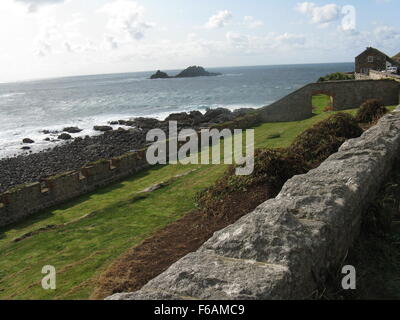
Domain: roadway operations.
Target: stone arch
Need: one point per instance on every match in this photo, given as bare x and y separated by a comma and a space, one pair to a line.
330, 96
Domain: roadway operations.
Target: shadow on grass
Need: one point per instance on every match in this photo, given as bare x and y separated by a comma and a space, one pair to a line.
46, 213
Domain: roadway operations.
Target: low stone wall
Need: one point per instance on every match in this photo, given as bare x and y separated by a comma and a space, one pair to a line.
345, 94
25, 200
361, 76
376, 75
284, 248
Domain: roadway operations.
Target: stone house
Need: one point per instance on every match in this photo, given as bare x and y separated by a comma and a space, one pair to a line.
373, 59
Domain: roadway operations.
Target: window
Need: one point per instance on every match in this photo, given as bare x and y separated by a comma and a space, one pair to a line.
370, 59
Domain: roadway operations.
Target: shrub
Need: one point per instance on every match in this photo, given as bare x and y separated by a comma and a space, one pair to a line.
318, 142
370, 111
337, 76
272, 168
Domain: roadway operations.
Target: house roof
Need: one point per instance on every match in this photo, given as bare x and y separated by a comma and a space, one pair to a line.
376, 51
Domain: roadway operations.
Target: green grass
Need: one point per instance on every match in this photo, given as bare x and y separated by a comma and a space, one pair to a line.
320, 102
94, 229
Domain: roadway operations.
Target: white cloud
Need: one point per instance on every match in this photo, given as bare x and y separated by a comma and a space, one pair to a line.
291, 39
125, 20
322, 15
33, 5
272, 42
384, 32
48, 32
54, 37
219, 20
250, 22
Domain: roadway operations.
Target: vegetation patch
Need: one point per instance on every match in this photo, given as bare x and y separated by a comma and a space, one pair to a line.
317, 143
371, 111
337, 76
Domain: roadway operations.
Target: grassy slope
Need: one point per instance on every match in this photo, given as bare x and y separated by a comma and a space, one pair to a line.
81, 247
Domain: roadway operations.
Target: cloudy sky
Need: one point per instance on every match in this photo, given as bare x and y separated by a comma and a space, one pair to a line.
51, 38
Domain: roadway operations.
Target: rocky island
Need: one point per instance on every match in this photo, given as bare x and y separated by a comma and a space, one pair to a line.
191, 72
160, 75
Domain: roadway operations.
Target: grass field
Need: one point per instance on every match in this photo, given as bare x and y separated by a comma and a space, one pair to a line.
87, 234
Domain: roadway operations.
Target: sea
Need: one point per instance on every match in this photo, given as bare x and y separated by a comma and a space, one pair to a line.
29, 107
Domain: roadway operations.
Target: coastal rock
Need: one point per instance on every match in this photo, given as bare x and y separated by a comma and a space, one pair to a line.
218, 115
182, 118
64, 136
102, 128
160, 75
27, 140
196, 71
145, 123
72, 129
197, 117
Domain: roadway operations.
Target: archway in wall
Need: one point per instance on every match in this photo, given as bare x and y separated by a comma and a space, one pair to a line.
322, 102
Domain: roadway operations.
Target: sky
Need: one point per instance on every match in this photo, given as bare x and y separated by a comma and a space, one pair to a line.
54, 38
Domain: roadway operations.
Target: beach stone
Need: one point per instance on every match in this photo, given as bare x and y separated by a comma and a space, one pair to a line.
102, 128
72, 129
28, 140
64, 136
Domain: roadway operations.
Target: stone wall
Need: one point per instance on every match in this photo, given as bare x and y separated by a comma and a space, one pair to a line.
376, 75
25, 200
346, 95
285, 247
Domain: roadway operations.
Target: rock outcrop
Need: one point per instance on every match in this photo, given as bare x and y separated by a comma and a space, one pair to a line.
196, 71
191, 72
285, 248
160, 75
